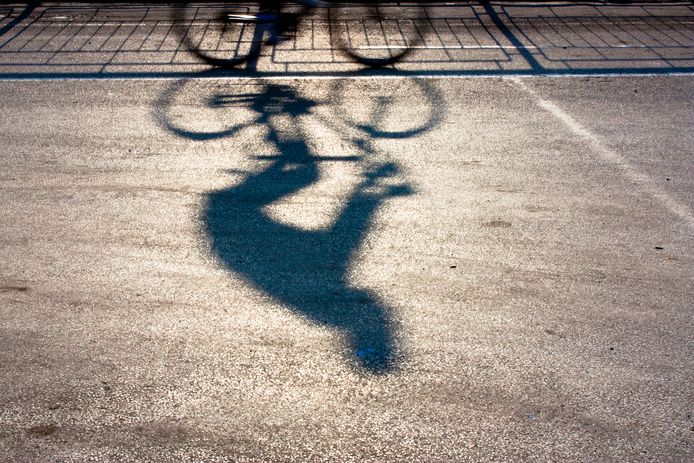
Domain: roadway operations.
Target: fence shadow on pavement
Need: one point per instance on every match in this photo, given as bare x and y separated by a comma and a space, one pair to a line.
464, 39
12, 19
306, 269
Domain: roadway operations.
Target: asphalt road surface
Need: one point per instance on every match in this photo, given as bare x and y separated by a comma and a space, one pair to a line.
484, 254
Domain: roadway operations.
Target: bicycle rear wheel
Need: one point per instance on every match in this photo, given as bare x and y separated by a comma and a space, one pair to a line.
222, 36
378, 35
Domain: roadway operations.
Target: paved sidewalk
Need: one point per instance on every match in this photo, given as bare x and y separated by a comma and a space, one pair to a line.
469, 39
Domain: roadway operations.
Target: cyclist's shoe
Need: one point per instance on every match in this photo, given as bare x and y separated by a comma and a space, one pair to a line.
275, 36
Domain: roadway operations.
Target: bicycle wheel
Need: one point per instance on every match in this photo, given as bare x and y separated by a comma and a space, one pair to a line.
378, 35
222, 36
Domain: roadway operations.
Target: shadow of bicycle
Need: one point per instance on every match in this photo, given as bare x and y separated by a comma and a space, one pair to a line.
307, 269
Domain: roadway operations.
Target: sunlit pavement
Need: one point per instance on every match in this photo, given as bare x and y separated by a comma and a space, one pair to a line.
484, 254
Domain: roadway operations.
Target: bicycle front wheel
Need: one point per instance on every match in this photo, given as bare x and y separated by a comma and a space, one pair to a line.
222, 36
378, 35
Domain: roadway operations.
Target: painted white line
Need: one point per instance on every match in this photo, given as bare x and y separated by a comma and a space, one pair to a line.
513, 47
450, 47
630, 170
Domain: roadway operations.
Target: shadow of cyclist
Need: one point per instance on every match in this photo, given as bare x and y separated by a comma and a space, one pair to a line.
305, 269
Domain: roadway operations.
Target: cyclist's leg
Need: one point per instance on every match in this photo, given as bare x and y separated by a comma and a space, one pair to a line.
269, 16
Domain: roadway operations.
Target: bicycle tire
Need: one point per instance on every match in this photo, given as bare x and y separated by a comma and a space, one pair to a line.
377, 35
221, 36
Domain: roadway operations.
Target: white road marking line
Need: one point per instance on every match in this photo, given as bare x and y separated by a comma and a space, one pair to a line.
630, 170
65, 20
445, 47
494, 47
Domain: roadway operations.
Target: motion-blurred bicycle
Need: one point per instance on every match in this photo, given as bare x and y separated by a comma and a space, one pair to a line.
227, 35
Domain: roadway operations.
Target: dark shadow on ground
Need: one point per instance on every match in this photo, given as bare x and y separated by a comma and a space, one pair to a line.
307, 270
26, 12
